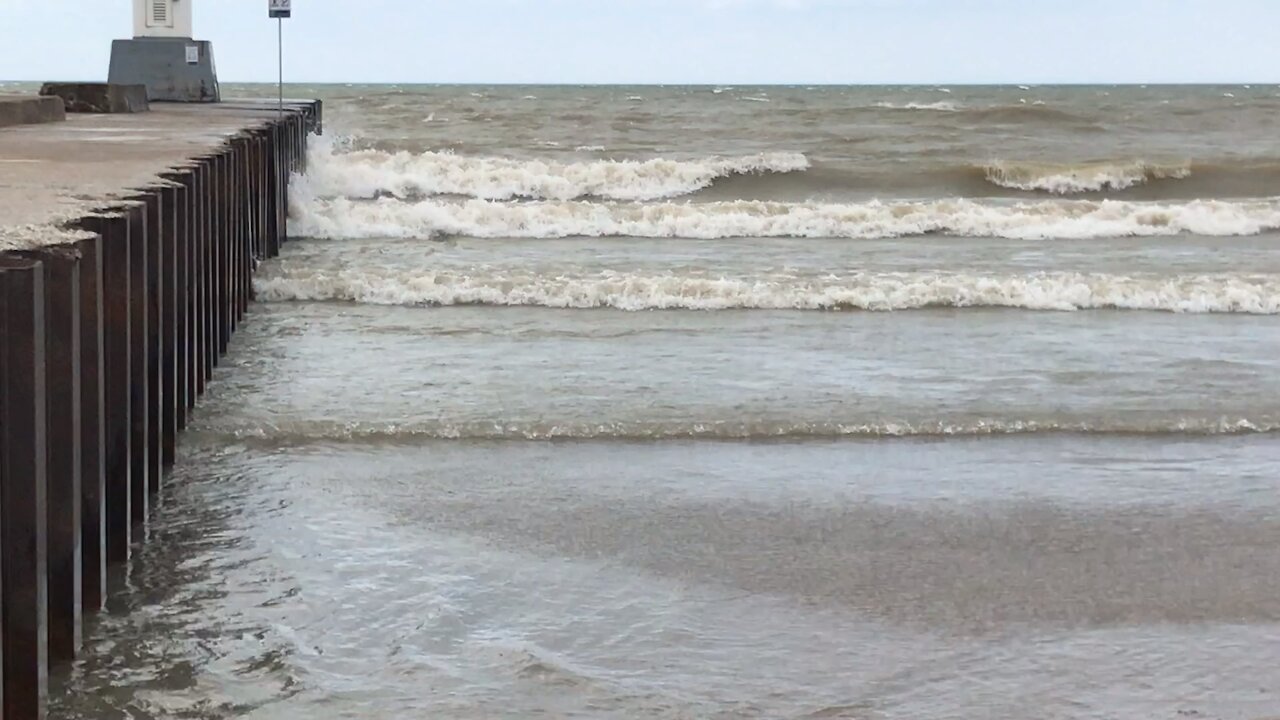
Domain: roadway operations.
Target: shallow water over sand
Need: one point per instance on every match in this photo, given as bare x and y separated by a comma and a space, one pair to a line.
468, 460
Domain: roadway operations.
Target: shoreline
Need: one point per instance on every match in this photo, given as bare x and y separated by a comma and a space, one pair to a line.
127, 248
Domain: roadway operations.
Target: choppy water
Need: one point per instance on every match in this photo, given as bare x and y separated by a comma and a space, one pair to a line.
909, 403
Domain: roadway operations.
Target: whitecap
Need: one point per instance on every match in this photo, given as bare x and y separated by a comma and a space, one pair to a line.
1081, 178
636, 291
941, 106
1039, 220
367, 173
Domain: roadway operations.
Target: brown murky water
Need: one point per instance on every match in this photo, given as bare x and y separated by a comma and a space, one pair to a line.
818, 403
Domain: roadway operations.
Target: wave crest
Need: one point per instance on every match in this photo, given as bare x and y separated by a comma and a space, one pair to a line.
343, 218
1223, 293
302, 432
1082, 178
370, 173
940, 106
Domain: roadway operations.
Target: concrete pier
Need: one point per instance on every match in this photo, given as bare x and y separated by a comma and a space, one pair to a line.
27, 109
127, 247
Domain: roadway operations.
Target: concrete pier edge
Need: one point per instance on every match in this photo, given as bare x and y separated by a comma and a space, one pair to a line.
107, 341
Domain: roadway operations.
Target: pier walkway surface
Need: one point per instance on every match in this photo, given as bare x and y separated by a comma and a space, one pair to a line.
127, 247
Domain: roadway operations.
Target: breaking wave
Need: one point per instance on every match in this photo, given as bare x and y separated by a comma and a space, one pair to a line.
1023, 112
371, 173
1058, 291
942, 106
302, 432
1083, 178
342, 218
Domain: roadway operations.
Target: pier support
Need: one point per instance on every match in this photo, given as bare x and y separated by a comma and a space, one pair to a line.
63, 444
168, 333
156, 228
23, 511
139, 360
118, 234
93, 468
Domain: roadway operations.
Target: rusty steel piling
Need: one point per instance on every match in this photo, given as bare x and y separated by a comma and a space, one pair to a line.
107, 341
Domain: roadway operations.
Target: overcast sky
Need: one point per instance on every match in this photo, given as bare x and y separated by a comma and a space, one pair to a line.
682, 41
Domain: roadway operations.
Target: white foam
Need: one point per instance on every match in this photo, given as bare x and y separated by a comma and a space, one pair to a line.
1063, 219
1090, 177
305, 431
941, 106
366, 173
1060, 291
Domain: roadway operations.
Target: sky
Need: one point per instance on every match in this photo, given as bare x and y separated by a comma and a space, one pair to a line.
681, 41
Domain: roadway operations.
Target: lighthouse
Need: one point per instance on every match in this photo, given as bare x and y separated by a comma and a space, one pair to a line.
164, 56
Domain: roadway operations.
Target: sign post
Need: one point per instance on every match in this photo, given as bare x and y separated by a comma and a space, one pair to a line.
280, 9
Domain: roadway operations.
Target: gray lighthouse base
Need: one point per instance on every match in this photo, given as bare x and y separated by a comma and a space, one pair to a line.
162, 65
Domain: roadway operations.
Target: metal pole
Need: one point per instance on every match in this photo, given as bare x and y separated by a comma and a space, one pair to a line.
279, 62
280, 65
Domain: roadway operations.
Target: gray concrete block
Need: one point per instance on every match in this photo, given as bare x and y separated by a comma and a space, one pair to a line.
172, 69
29, 109
99, 97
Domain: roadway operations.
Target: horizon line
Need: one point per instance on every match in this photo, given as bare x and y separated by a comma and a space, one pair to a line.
930, 84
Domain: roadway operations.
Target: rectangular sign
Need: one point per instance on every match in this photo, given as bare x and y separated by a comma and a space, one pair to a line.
193, 54
280, 8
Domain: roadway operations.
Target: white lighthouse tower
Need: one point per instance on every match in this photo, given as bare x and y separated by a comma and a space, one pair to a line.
162, 18
164, 56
